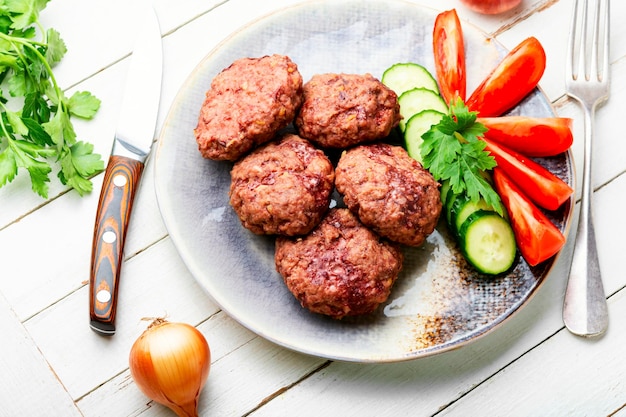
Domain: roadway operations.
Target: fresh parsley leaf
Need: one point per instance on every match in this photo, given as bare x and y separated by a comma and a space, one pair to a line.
60, 130
86, 162
77, 165
452, 151
39, 178
26, 155
83, 104
32, 149
18, 81
17, 125
5, 23
41, 132
24, 12
7, 60
35, 71
36, 132
56, 47
8, 167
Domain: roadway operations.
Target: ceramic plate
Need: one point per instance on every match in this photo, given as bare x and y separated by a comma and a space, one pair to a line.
438, 302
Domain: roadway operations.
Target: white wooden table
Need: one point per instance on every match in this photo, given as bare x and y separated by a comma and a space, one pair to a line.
52, 364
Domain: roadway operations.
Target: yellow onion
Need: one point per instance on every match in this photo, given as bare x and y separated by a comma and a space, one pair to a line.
170, 363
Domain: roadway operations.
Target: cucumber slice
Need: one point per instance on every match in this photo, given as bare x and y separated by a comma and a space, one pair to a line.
451, 199
487, 242
416, 126
417, 100
407, 76
462, 208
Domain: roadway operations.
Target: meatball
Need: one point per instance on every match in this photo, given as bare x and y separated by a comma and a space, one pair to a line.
389, 191
282, 187
341, 268
341, 110
247, 104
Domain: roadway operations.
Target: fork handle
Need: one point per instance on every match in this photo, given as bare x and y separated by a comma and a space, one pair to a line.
585, 311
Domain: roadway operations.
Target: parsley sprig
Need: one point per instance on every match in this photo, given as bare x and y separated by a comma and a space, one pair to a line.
452, 151
41, 131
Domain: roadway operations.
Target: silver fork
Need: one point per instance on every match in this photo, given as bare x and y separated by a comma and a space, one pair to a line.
585, 310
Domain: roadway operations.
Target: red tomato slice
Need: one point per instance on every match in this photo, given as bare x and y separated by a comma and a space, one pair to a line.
530, 136
449, 56
516, 76
540, 185
537, 238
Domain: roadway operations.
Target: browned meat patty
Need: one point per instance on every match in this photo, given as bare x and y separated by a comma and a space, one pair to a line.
248, 102
282, 187
341, 268
341, 110
389, 191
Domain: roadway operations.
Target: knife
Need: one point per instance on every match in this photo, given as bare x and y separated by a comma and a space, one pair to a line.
133, 139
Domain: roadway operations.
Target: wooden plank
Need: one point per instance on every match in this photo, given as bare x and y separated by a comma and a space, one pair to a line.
102, 36
258, 369
583, 377
239, 360
120, 396
608, 159
113, 45
37, 285
105, 32
69, 236
551, 27
155, 283
608, 154
547, 374
98, 131
28, 387
425, 386
246, 372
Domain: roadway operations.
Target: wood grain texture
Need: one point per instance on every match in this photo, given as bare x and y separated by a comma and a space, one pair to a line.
54, 365
28, 387
523, 389
121, 179
156, 284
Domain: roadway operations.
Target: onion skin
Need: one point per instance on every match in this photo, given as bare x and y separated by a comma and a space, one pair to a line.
170, 364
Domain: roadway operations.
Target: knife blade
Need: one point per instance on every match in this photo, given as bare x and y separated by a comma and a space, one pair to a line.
131, 146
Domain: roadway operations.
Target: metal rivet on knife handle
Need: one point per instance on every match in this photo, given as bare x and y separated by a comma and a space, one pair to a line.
116, 203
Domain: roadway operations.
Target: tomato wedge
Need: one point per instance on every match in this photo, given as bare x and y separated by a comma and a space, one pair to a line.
449, 56
514, 77
537, 238
530, 136
540, 185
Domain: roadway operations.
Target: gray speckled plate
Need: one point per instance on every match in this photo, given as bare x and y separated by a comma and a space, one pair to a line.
438, 303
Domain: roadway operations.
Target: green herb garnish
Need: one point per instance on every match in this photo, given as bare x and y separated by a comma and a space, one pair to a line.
41, 131
451, 150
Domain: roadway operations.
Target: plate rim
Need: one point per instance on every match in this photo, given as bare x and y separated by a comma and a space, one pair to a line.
477, 334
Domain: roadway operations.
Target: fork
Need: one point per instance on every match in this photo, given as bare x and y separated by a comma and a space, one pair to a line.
585, 311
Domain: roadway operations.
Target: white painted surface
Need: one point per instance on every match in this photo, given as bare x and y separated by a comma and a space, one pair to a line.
52, 364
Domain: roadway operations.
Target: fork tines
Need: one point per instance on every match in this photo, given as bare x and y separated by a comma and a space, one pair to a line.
591, 48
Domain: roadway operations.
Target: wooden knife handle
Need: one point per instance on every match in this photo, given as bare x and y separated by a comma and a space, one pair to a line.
121, 179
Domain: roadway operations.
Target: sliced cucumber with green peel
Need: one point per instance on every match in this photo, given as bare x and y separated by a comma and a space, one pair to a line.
464, 207
417, 100
407, 76
485, 237
416, 126
487, 242
451, 198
